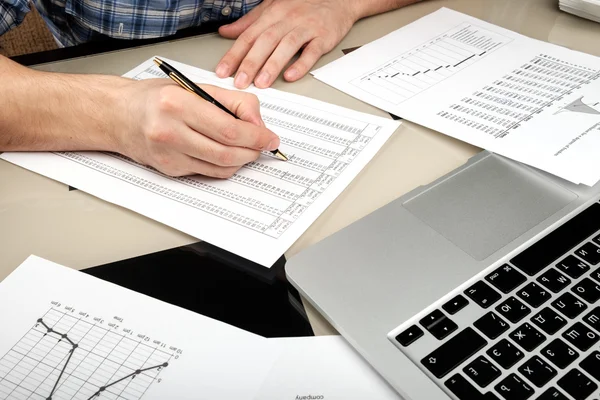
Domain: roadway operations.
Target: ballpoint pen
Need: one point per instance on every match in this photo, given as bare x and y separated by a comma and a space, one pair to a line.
190, 86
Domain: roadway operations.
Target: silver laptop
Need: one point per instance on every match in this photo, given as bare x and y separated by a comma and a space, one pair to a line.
483, 285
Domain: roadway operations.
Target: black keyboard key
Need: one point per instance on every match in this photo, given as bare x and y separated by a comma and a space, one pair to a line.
432, 318
576, 384
411, 334
597, 239
491, 325
537, 371
455, 305
589, 252
505, 353
454, 352
554, 280
462, 388
443, 328
506, 278
573, 267
560, 241
482, 371
438, 324
588, 290
591, 365
559, 353
482, 294
549, 321
514, 388
533, 294
527, 337
552, 394
581, 336
593, 319
513, 310
596, 275
569, 305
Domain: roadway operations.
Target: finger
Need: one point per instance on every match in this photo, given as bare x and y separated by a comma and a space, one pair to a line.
287, 48
245, 105
177, 164
170, 162
195, 166
248, 131
204, 148
259, 53
226, 130
235, 29
310, 55
234, 56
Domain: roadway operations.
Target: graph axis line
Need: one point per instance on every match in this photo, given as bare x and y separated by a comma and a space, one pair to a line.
61, 328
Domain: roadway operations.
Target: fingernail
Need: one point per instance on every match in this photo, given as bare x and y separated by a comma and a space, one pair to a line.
241, 80
274, 144
222, 70
263, 79
292, 74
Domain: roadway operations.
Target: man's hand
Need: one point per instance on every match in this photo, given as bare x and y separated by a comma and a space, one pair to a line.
153, 121
179, 133
271, 34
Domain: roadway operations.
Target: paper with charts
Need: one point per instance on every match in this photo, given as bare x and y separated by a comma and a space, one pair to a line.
263, 209
67, 335
528, 100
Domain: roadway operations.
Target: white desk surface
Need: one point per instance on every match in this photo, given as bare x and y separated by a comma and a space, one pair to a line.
40, 216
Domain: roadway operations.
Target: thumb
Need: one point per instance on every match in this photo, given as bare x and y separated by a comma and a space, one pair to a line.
235, 29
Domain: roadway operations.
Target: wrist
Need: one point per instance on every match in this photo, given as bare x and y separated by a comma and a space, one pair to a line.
357, 8
116, 119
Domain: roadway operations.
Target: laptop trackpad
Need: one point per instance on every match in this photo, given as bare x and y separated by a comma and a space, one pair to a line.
488, 205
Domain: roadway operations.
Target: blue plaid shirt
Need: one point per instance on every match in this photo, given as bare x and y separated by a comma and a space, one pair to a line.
78, 21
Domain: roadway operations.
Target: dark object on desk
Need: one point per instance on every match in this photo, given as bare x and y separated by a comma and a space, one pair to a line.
190, 86
217, 284
350, 50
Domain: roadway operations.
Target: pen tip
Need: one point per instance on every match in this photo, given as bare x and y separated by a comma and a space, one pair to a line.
281, 156
157, 61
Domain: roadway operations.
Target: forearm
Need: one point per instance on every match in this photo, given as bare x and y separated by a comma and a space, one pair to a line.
366, 8
50, 111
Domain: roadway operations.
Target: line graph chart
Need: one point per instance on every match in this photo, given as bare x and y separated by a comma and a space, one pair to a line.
64, 357
420, 68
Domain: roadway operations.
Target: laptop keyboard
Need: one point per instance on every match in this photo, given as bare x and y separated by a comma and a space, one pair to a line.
530, 328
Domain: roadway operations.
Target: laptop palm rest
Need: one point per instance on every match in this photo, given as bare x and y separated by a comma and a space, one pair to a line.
488, 205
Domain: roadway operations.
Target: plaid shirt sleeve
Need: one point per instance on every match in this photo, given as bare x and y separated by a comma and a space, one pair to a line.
78, 21
12, 13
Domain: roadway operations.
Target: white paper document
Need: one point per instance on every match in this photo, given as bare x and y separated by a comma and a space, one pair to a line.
589, 9
69, 336
322, 368
263, 209
528, 100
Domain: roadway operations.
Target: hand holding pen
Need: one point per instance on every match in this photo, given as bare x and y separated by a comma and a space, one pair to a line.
190, 86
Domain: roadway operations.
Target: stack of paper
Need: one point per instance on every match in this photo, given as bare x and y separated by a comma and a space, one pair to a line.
69, 336
589, 9
528, 100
